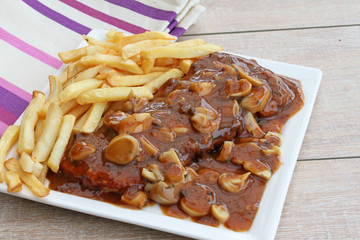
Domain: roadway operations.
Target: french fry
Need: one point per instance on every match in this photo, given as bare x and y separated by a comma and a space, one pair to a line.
38, 128
113, 94
93, 41
76, 54
50, 131
13, 181
132, 80
155, 84
147, 65
80, 122
160, 69
29, 179
94, 117
26, 163
38, 167
68, 106
188, 43
115, 37
146, 36
88, 73
54, 95
95, 49
112, 61
106, 75
79, 110
164, 62
7, 140
135, 48
174, 52
61, 142
26, 141
72, 55
62, 78
112, 35
75, 89
137, 59
75, 68
43, 172
185, 65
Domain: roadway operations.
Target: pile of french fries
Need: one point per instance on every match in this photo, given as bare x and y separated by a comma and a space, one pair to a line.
97, 76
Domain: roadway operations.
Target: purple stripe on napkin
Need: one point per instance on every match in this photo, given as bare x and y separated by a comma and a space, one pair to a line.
57, 17
172, 25
3, 127
104, 17
30, 50
145, 10
7, 117
177, 32
12, 103
15, 90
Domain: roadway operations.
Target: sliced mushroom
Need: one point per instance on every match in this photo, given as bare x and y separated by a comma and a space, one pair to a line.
253, 80
220, 213
203, 88
258, 168
191, 174
163, 134
113, 119
161, 193
209, 175
205, 120
137, 199
175, 172
181, 130
81, 150
175, 97
244, 151
273, 138
138, 122
233, 182
237, 88
197, 200
169, 156
225, 151
252, 126
236, 108
256, 100
136, 103
122, 149
148, 146
275, 150
155, 168
145, 173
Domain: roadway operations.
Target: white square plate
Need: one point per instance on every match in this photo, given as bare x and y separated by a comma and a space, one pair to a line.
269, 213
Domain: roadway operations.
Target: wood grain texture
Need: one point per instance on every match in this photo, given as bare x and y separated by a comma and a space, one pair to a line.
323, 203
230, 16
334, 127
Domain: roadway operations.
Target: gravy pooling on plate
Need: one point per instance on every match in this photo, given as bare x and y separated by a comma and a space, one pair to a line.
204, 147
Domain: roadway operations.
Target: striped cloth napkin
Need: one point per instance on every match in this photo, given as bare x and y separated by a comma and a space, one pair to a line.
32, 32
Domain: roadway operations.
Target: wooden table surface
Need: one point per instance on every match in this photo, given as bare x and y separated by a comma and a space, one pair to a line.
323, 201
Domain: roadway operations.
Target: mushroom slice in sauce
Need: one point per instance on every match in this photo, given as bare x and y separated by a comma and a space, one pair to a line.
134, 198
233, 182
160, 192
81, 150
220, 213
122, 149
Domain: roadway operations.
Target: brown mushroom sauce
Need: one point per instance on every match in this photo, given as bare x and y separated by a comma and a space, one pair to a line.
179, 160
